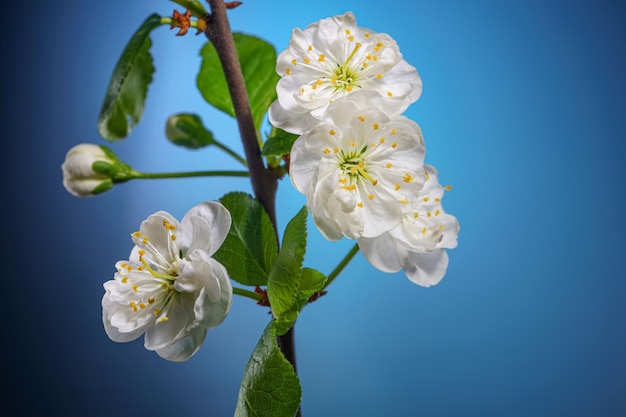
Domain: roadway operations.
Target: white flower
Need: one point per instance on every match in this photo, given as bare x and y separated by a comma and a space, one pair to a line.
359, 169
171, 288
333, 58
79, 176
418, 244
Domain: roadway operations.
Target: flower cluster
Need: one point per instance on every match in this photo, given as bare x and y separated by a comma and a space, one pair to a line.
171, 288
358, 160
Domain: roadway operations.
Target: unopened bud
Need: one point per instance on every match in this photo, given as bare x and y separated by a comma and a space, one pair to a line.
91, 169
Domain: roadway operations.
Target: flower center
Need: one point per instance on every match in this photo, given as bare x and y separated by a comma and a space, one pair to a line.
354, 166
345, 76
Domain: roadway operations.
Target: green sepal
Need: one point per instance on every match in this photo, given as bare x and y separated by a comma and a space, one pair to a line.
282, 287
109, 152
250, 249
270, 386
124, 102
258, 65
102, 167
279, 143
187, 130
105, 185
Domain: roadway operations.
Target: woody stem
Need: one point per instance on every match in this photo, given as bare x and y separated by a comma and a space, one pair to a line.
264, 181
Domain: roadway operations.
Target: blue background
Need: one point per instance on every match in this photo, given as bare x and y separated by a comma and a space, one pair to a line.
523, 113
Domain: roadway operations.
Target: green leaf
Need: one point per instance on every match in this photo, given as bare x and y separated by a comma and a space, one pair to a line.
311, 281
250, 249
282, 287
279, 143
187, 130
125, 98
258, 65
270, 386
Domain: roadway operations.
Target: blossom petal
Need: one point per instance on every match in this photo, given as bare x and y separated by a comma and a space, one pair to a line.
426, 269
381, 252
184, 348
208, 234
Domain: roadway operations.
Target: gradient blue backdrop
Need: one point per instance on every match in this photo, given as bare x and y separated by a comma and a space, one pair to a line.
523, 113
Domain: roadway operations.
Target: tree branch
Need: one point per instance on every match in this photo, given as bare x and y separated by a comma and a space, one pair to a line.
264, 181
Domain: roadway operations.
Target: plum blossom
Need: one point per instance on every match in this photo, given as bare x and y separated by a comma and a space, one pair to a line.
171, 288
333, 58
359, 169
418, 243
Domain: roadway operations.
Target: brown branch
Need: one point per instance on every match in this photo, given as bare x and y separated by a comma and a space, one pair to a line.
264, 181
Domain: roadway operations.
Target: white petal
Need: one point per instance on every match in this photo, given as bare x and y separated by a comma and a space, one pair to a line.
206, 226
426, 269
180, 321
381, 252
184, 348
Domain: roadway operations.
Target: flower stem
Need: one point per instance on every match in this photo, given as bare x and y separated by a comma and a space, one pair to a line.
230, 152
247, 293
143, 175
344, 262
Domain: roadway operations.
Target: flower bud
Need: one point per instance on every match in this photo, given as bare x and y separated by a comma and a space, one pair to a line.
89, 170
